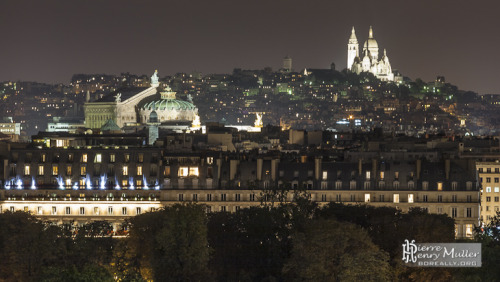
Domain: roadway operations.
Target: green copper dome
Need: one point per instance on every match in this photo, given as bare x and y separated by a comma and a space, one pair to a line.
168, 104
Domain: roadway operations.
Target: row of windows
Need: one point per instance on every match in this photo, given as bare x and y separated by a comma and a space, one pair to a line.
488, 199
487, 208
382, 184
495, 189
395, 198
98, 158
182, 172
84, 211
488, 170
488, 179
223, 197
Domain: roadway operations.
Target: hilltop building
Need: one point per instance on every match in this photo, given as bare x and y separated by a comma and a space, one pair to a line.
369, 60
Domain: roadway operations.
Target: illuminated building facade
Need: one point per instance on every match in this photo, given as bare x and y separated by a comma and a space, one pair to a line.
115, 182
369, 60
120, 106
489, 181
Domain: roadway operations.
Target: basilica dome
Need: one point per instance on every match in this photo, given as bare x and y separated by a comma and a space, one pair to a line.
371, 45
168, 108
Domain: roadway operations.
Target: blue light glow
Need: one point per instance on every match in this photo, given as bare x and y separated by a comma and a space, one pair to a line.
145, 183
102, 182
33, 183
117, 186
60, 182
88, 182
131, 183
19, 183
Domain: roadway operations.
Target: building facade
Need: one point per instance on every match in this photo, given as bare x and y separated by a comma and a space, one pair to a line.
112, 183
489, 181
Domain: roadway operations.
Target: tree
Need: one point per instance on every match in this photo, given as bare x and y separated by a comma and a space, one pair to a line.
250, 244
175, 241
26, 245
328, 250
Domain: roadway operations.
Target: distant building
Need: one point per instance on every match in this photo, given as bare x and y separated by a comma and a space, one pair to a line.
287, 64
120, 106
133, 106
10, 128
369, 61
71, 125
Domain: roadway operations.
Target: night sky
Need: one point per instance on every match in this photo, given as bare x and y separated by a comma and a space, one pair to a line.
49, 41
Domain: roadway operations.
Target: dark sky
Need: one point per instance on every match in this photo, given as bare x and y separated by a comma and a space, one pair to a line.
48, 41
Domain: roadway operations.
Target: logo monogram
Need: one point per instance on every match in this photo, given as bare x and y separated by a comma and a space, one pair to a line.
409, 251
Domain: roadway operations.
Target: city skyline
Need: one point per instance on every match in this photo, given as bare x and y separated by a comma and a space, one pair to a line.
77, 37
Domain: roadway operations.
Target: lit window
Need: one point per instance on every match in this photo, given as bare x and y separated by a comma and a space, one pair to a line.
440, 186
127, 157
124, 183
382, 175
59, 143
141, 158
139, 170
468, 230
193, 171
112, 158
410, 198
125, 170
83, 170
183, 171
396, 198
138, 183
82, 183
68, 170
68, 182
166, 171
98, 158
84, 158
40, 170
325, 174
55, 170
367, 198
26, 170
488, 189
368, 175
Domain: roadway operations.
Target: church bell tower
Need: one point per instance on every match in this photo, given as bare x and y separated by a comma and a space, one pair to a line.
352, 49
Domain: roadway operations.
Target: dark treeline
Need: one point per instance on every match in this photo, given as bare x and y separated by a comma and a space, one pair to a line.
289, 242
